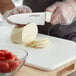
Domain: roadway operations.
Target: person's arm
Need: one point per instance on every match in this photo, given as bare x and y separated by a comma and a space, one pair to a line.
6, 5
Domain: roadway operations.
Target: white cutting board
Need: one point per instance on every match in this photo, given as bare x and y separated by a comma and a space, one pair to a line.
58, 53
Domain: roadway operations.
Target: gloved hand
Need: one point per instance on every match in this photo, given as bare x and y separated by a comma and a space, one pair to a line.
16, 10
64, 13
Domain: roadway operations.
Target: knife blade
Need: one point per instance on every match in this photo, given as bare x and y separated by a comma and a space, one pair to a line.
24, 18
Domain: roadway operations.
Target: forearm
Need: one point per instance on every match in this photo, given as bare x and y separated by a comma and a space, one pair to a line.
6, 5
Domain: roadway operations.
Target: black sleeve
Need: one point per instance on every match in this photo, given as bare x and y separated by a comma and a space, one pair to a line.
27, 2
74, 39
71, 36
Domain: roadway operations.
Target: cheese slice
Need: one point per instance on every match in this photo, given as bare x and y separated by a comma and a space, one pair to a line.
39, 43
29, 33
24, 34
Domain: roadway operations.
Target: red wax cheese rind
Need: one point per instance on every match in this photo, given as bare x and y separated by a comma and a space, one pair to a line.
11, 64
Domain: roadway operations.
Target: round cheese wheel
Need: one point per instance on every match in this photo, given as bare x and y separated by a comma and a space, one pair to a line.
16, 35
24, 34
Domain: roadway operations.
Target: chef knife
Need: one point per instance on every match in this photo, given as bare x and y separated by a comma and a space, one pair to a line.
24, 18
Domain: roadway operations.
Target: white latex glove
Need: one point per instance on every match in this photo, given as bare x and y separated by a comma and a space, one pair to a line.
16, 10
64, 13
